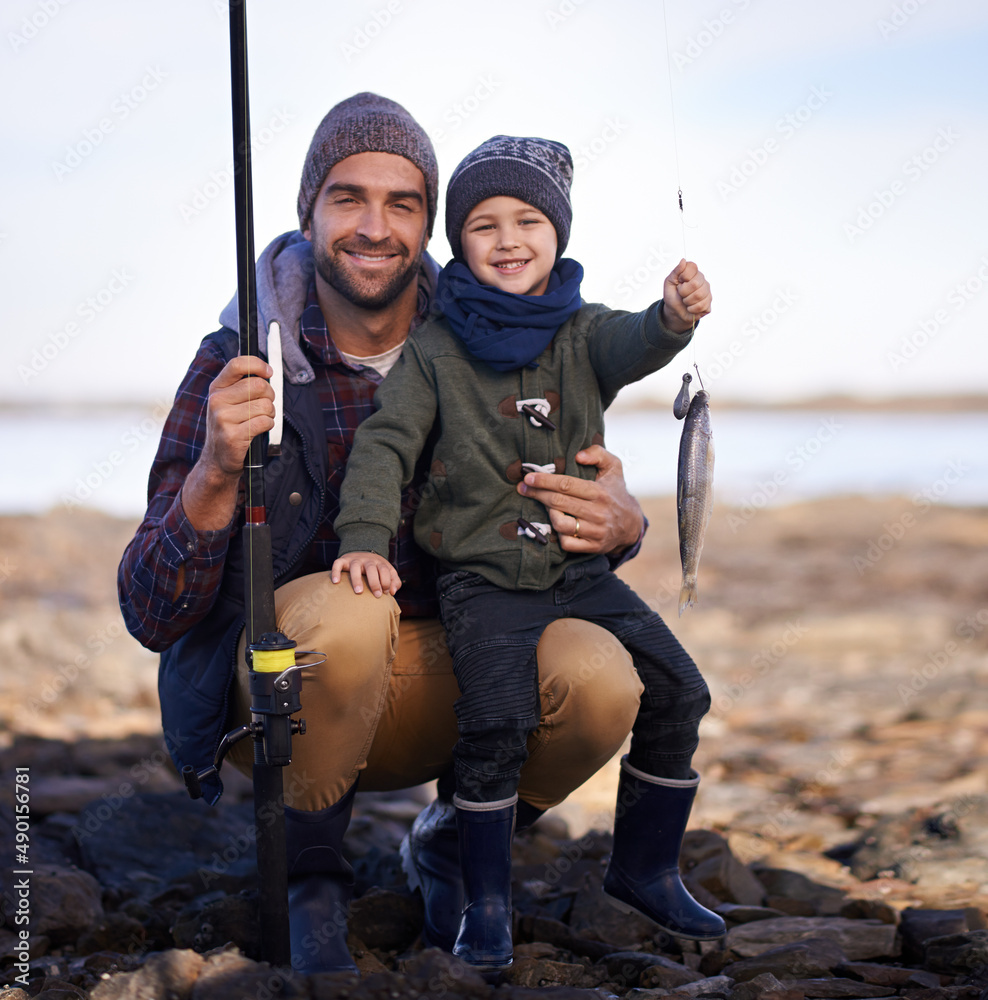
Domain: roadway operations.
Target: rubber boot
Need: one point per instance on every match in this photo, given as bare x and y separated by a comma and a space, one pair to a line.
485, 831
643, 873
430, 855
320, 885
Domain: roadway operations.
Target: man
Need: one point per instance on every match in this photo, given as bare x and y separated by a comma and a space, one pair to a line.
343, 294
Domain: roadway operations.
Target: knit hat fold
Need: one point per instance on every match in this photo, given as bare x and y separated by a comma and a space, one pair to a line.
539, 172
366, 123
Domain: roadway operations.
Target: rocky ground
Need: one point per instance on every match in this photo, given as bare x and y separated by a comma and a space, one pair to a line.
840, 826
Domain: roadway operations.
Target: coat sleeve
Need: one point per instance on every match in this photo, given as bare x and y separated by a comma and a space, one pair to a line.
385, 451
170, 574
625, 347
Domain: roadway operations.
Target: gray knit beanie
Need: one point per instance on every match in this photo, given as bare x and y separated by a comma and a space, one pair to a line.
366, 123
538, 171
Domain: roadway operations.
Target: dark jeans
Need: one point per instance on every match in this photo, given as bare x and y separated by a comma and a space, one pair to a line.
492, 634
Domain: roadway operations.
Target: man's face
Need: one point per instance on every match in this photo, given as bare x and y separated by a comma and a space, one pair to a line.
368, 228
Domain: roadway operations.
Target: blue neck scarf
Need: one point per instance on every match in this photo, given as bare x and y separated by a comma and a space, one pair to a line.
506, 330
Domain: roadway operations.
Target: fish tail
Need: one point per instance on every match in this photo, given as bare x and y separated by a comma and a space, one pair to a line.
687, 594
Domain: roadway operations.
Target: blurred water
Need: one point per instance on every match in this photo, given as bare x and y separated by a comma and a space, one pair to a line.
101, 458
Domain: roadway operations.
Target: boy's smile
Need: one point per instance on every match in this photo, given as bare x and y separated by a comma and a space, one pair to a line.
510, 245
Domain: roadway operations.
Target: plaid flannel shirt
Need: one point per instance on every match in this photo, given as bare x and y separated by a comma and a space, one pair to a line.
170, 574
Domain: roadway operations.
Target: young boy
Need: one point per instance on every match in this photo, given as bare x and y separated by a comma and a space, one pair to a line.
515, 379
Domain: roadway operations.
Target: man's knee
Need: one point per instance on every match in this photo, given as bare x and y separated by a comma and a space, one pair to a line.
585, 670
313, 608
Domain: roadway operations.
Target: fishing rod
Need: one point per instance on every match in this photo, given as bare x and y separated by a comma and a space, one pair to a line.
275, 681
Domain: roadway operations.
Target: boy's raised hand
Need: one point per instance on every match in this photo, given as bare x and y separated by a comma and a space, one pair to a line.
685, 297
380, 574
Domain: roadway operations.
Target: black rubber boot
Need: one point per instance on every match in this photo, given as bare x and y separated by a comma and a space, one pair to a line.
484, 939
430, 855
320, 884
643, 873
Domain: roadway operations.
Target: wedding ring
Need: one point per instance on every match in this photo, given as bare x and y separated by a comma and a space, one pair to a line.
576, 533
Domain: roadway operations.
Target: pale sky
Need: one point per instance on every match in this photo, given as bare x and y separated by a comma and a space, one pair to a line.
832, 159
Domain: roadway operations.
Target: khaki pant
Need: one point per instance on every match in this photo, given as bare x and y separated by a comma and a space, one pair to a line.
381, 706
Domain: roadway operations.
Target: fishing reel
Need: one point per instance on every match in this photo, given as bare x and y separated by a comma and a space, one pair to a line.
275, 696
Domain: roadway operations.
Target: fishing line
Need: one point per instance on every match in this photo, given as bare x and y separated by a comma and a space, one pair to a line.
679, 182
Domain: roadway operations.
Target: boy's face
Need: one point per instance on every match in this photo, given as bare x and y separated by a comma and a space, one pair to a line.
510, 245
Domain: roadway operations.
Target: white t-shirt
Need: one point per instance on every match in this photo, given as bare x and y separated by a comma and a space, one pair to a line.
381, 363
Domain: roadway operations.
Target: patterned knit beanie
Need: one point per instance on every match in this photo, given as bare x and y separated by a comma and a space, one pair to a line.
366, 123
538, 171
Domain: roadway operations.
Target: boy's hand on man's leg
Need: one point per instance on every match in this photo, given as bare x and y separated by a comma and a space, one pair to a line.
380, 574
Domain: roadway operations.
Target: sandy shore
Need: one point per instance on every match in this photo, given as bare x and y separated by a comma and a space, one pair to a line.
844, 642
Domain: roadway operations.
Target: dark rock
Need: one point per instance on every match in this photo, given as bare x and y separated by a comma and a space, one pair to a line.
927, 845
788, 891
539, 972
859, 939
928, 980
509, 992
116, 932
765, 987
870, 909
64, 902
918, 926
957, 953
436, 973
715, 986
229, 919
668, 976
877, 975
706, 859
227, 974
144, 841
59, 989
593, 916
385, 919
333, 985
735, 913
712, 962
629, 968
169, 974
840, 988
532, 928
809, 958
